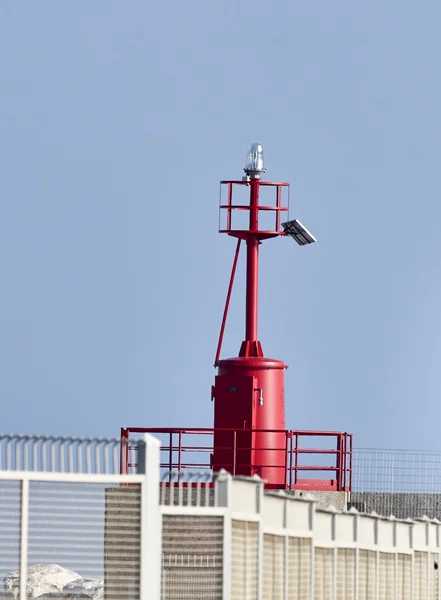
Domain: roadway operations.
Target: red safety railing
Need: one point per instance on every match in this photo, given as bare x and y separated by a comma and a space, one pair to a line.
324, 465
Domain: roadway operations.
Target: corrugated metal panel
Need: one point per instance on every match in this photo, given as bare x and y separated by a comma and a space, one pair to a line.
122, 541
9, 526
299, 568
244, 560
404, 577
386, 576
90, 528
192, 567
73, 525
273, 567
345, 574
367, 575
420, 585
323, 573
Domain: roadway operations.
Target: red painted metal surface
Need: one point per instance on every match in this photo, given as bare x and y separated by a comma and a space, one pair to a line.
328, 468
252, 268
249, 397
249, 409
227, 303
251, 347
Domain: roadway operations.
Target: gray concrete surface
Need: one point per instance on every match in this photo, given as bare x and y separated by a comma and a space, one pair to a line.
401, 505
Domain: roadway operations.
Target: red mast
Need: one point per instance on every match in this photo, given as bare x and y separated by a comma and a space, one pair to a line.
249, 389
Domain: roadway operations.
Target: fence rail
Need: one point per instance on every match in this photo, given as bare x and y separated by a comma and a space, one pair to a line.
313, 460
59, 454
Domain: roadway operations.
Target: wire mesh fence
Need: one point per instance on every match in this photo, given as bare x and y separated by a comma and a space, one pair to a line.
192, 560
81, 538
101, 536
396, 471
403, 483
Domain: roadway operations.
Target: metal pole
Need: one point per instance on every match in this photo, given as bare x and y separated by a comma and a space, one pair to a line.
179, 454
170, 458
124, 452
290, 460
227, 304
252, 265
339, 462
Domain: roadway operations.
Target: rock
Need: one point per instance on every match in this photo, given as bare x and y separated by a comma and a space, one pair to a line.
93, 588
42, 579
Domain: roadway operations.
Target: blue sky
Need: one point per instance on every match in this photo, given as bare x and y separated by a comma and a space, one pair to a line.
117, 121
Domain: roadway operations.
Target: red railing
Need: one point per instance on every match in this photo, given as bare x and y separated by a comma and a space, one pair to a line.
325, 467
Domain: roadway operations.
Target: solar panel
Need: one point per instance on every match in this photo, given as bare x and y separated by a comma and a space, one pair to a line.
298, 232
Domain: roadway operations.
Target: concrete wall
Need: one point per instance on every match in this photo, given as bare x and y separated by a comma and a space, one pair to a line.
401, 505
338, 500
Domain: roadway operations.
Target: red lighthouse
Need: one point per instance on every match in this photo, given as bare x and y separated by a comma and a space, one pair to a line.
249, 435
249, 403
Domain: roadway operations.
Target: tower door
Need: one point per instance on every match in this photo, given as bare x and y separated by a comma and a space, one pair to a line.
234, 397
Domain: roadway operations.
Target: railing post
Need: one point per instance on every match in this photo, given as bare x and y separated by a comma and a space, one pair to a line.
170, 458
296, 472
124, 453
350, 463
151, 523
230, 202
338, 463
278, 204
290, 461
179, 453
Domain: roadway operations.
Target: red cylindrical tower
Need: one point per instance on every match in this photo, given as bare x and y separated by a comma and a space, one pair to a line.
249, 398
249, 409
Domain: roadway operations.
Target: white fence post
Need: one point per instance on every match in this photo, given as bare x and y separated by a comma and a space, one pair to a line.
223, 482
260, 500
151, 524
334, 555
24, 530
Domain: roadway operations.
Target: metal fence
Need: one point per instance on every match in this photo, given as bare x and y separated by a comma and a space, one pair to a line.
307, 459
404, 483
398, 471
58, 454
79, 535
